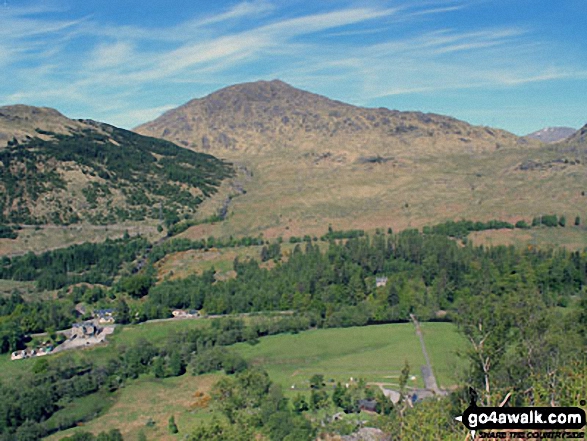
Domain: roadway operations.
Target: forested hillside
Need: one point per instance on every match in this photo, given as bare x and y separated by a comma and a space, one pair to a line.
103, 175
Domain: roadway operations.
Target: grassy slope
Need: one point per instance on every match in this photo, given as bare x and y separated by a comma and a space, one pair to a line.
571, 237
151, 398
288, 195
51, 237
182, 264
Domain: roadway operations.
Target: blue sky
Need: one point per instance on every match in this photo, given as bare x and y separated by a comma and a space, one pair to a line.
515, 64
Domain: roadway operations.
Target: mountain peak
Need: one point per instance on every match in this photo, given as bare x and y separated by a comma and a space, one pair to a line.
240, 97
264, 116
264, 86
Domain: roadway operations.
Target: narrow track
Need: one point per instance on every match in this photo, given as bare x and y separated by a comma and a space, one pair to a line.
427, 372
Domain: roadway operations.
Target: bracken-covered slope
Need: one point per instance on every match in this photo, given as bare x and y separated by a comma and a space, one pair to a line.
57, 170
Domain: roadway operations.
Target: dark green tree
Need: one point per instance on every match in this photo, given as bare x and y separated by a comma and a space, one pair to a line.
522, 224
318, 399
122, 312
300, 404
317, 381
159, 367
176, 364
172, 426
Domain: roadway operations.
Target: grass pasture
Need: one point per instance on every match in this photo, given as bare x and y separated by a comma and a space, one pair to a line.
155, 331
375, 353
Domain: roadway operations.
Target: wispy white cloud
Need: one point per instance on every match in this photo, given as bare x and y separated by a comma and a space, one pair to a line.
109, 55
238, 11
440, 10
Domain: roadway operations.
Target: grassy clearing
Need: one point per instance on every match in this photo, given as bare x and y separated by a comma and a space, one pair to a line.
12, 369
26, 289
571, 237
154, 332
182, 264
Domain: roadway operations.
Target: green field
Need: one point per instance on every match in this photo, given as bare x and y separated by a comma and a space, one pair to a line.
374, 353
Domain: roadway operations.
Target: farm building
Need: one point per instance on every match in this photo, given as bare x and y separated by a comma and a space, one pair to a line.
104, 315
84, 330
182, 313
380, 281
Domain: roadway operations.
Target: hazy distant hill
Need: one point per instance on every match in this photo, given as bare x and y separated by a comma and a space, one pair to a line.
552, 134
57, 170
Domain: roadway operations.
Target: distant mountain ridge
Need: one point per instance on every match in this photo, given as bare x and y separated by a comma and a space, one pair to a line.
552, 134
62, 171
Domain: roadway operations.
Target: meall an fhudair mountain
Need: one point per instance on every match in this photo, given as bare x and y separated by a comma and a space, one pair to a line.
62, 171
271, 116
313, 161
